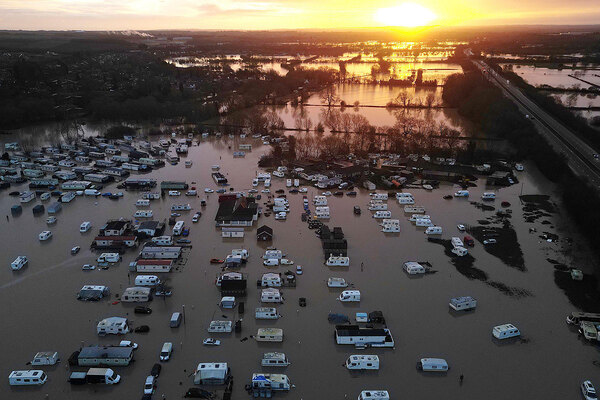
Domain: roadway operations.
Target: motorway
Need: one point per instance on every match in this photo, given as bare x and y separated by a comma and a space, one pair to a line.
579, 155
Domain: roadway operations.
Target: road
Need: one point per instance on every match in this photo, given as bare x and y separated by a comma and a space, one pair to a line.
579, 155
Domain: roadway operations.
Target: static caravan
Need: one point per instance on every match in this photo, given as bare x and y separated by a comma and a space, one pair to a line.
379, 196
432, 365
460, 251
390, 225
269, 335
211, 374
45, 358
357, 336
220, 327
153, 266
181, 207
433, 230
416, 217
142, 203
270, 254
92, 356
414, 209
228, 302
320, 201
146, 280
349, 296
136, 294
162, 252
274, 360
456, 242
275, 382
163, 240
27, 377
424, 222
26, 197
337, 283
108, 258
151, 196
377, 206
360, 362
382, 214
112, 325
505, 331
266, 313
463, 303
374, 395
334, 261
143, 214
322, 212
270, 295
271, 280
93, 292
414, 268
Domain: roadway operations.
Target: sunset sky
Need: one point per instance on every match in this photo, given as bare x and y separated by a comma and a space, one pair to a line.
287, 14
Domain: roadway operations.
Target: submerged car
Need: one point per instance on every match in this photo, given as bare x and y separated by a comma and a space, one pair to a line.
211, 342
142, 310
75, 250
588, 391
128, 343
88, 267
461, 227
489, 241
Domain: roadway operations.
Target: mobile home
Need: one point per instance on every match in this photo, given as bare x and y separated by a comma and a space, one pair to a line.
274, 360
390, 225
349, 296
432, 365
463, 303
433, 230
211, 374
334, 261
266, 313
505, 331
112, 325
414, 268
136, 294
27, 377
270, 295
360, 362
382, 214
220, 327
146, 280
414, 209
269, 335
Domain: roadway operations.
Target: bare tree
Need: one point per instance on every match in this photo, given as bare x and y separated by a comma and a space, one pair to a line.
329, 96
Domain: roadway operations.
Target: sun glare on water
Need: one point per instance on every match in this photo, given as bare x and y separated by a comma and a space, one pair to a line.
408, 15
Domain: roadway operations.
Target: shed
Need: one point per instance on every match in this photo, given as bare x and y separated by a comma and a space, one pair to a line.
264, 233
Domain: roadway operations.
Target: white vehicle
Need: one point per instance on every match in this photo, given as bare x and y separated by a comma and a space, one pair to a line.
45, 358
112, 325
274, 360
19, 263
266, 313
220, 327
432, 365
461, 227
400, 195
456, 242
255, 182
181, 207
271, 280
228, 302
269, 254
337, 283
51, 220
462, 193
269, 335
85, 226
433, 230
296, 182
91, 192
505, 331
414, 268
146, 280
460, 251
174, 193
278, 174
208, 190
178, 228
519, 167
488, 196
303, 190
108, 258
265, 190
271, 262
379, 196
362, 362
285, 261
211, 342
128, 343
377, 206
588, 391
281, 215
416, 217
149, 385
163, 240
382, 214
489, 241
334, 261
374, 395
414, 209
143, 214
188, 163
320, 201
191, 193
463, 303
166, 351
328, 193
270, 295
45, 235
424, 222
322, 212
27, 377
288, 183
406, 200
349, 296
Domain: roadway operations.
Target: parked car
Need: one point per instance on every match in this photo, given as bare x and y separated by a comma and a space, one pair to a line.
128, 343
211, 342
156, 368
150, 385
142, 310
142, 329
88, 267
299, 269
588, 391
461, 227
75, 250
208, 190
489, 241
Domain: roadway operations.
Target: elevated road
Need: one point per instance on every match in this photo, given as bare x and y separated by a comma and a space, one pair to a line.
580, 157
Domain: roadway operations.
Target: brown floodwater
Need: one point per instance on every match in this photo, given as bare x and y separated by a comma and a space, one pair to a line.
40, 311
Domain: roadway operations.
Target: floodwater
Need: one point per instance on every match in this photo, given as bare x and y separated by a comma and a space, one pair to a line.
40, 311
537, 76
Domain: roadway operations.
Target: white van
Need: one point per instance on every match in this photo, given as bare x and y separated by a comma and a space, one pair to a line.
270, 295
91, 192
109, 258
146, 280
488, 196
27, 377
271, 262
266, 313
349, 295
432, 365
178, 228
166, 351
85, 226
433, 230
360, 362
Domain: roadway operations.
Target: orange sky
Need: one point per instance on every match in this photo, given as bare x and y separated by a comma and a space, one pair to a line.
283, 14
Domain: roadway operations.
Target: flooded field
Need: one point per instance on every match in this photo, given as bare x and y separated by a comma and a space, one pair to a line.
561, 78
41, 312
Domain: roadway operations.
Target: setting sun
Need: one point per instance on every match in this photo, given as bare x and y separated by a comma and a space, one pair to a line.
405, 15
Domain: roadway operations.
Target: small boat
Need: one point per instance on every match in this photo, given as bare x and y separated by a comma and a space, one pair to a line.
216, 261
